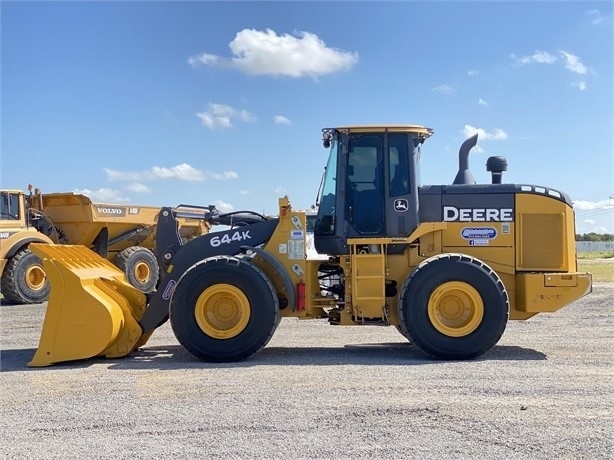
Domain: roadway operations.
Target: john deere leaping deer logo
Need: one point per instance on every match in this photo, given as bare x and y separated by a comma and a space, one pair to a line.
401, 205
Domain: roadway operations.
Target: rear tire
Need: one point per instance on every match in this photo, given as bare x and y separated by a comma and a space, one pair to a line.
140, 267
453, 306
224, 310
24, 280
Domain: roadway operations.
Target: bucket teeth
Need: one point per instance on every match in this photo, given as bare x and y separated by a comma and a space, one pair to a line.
92, 309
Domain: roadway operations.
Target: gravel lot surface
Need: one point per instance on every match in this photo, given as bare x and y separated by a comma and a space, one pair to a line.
318, 391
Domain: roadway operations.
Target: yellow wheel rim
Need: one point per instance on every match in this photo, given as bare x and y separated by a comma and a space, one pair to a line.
35, 277
455, 309
142, 273
222, 311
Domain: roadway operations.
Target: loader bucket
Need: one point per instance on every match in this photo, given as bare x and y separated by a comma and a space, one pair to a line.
92, 309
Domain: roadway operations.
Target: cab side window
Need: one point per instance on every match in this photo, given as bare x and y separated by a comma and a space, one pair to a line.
398, 167
9, 206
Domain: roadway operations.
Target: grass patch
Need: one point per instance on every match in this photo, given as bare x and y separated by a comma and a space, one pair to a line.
590, 255
602, 270
599, 263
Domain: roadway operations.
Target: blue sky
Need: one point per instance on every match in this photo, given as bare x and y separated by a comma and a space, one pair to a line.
161, 103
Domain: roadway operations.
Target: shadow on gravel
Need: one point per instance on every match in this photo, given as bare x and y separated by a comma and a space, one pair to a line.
176, 357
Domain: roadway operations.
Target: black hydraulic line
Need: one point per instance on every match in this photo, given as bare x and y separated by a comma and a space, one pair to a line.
129, 234
240, 218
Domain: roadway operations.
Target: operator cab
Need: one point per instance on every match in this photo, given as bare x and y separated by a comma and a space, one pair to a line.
370, 185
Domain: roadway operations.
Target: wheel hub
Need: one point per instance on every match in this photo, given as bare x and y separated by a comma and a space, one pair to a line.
455, 309
222, 311
35, 278
142, 273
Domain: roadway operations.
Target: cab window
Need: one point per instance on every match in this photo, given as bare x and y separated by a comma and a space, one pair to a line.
9, 206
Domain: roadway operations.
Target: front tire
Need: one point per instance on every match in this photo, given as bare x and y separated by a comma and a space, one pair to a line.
24, 280
453, 306
224, 310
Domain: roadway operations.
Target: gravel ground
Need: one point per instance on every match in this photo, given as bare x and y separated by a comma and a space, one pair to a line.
318, 391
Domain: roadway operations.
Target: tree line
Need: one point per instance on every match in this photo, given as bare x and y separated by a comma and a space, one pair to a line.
594, 237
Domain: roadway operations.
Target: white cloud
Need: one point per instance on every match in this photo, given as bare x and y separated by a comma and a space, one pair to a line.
181, 171
482, 102
221, 110
573, 63
114, 175
222, 115
541, 57
595, 16
246, 116
202, 59
590, 226
496, 135
579, 84
138, 188
244, 192
222, 206
443, 89
281, 120
263, 52
213, 122
106, 195
281, 190
473, 73
222, 176
581, 205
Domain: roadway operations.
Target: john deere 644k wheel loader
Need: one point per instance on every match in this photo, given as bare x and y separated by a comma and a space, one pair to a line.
448, 265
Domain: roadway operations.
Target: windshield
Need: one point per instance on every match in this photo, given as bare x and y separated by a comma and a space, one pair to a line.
9, 206
325, 223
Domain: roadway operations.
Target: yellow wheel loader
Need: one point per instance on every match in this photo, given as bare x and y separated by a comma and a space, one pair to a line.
447, 265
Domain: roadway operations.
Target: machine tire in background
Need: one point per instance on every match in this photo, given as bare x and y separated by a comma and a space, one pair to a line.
24, 280
225, 309
453, 306
140, 267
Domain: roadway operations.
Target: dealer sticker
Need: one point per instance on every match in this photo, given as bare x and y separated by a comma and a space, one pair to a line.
478, 233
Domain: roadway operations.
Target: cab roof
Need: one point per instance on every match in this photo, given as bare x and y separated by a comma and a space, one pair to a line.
414, 129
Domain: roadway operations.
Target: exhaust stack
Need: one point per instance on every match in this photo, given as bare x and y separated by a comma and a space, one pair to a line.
464, 176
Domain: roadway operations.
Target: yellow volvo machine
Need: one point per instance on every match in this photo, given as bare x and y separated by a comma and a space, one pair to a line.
124, 234
448, 265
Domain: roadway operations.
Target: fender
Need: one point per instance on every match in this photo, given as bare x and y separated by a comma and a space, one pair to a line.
279, 270
21, 238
